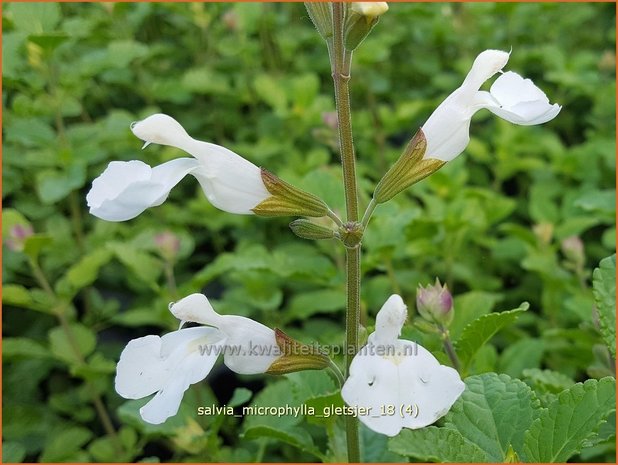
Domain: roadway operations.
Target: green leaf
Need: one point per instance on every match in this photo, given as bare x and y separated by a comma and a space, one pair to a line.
433, 444
563, 428
470, 306
547, 380
53, 185
35, 243
65, 346
13, 452
494, 412
83, 273
525, 353
64, 444
19, 296
305, 304
144, 266
294, 436
604, 290
271, 92
481, 330
34, 17
241, 395
13, 347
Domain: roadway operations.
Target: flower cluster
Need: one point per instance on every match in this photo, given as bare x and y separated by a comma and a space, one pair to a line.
408, 377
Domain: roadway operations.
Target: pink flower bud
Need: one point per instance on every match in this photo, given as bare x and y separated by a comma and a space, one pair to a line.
168, 245
573, 249
17, 237
330, 119
435, 303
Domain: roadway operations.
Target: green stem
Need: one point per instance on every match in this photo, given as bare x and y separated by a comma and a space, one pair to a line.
341, 60
370, 209
59, 311
333, 216
449, 349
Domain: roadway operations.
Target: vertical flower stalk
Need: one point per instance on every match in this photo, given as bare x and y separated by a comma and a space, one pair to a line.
340, 65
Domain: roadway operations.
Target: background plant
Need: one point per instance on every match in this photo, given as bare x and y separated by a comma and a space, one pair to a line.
492, 224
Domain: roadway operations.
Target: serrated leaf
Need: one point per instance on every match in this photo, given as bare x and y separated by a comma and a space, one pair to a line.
494, 412
604, 290
481, 330
294, 436
433, 444
547, 380
562, 429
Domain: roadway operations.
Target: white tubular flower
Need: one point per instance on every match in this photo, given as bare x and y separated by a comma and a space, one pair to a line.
166, 365
395, 383
251, 347
126, 189
511, 97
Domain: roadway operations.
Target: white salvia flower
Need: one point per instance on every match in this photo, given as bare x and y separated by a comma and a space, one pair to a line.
511, 97
398, 383
371, 9
126, 189
168, 365
252, 347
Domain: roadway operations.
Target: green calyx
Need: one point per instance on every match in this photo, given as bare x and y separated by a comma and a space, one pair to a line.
296, 356
409, 169
287, 200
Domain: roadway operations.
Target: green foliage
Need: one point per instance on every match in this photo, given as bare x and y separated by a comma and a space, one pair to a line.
604, 289
254, 77
576, 415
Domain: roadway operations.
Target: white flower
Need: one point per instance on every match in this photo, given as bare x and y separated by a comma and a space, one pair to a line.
398, 383
126, 189
168, 365
371, 9
511, 97
251, 346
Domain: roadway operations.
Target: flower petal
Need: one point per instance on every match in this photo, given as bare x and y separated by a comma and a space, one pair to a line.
126, 189
485, 65
230, 182
390, 320
197, 309
251, 346
447, 130
413, 382
147, 363
519, 101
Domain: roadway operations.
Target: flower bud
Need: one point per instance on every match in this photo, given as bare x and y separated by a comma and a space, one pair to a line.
296, 356
360, 19
435, 303
168, 245
310, 230
409, 169
286, 200
573, 249
18, 234
544, 232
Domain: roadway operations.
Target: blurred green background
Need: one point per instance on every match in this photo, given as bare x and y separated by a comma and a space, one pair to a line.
255, 78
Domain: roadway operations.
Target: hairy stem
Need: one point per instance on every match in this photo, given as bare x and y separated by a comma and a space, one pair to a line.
341, 60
